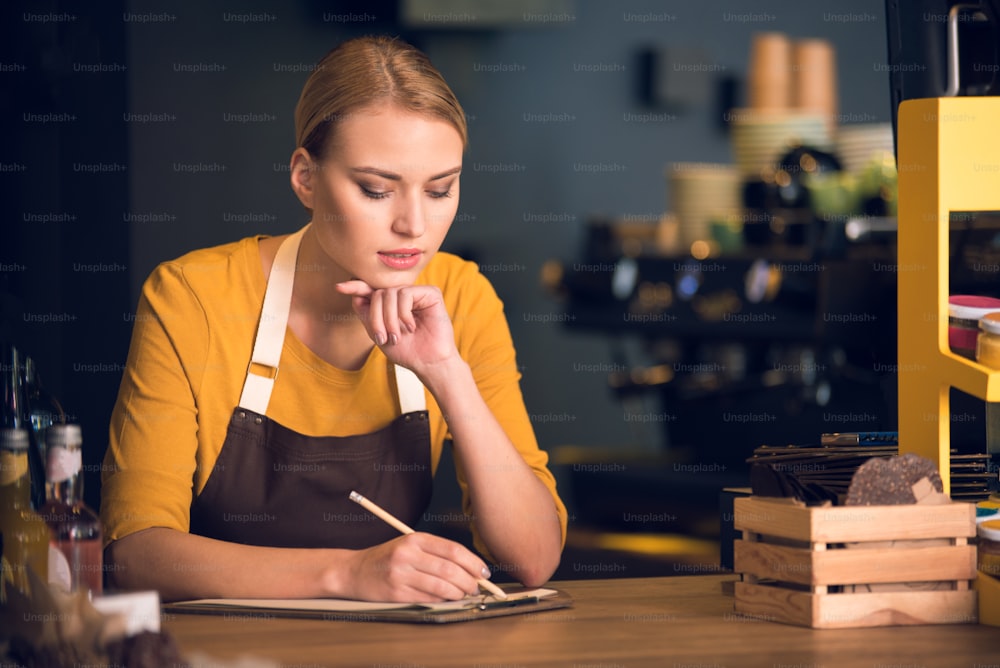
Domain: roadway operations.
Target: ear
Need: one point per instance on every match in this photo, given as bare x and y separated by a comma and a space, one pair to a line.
303, 172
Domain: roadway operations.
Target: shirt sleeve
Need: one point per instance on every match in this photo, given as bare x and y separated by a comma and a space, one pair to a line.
149, 466
485, 342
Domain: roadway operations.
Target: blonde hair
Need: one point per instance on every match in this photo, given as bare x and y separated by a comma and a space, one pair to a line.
365, 71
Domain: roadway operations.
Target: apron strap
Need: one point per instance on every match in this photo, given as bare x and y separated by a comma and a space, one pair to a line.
410, 391
263, 368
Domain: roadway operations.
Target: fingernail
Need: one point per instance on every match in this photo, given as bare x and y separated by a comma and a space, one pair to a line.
486, 573
393, 339
380, 338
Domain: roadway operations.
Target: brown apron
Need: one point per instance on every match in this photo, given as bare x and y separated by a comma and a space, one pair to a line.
273, 486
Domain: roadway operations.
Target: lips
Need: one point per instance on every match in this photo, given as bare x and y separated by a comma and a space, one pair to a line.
400, 258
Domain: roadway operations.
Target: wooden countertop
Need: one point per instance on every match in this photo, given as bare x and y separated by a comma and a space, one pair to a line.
673, 622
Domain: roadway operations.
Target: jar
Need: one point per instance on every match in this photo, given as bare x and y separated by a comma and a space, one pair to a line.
988, 354
988, 551
988, 342
964, 313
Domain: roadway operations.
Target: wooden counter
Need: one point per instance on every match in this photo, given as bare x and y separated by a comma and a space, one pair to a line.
669, 622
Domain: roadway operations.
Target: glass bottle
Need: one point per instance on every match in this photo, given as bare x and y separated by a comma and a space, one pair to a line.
20, 385
76, 563
23, 533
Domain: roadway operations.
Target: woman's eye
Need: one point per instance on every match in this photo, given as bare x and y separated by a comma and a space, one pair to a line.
373, 194
443, 190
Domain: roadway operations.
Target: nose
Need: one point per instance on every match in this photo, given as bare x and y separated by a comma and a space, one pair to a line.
409, 217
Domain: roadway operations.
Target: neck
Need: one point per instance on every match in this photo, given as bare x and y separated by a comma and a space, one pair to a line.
316, 278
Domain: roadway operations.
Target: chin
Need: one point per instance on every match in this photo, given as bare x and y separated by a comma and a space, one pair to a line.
394, 280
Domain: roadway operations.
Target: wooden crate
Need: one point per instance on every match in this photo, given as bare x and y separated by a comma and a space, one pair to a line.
855, 566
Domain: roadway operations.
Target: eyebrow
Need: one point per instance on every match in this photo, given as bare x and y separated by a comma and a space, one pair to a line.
392, 176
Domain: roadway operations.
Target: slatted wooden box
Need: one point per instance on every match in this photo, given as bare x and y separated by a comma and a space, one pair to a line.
805, 566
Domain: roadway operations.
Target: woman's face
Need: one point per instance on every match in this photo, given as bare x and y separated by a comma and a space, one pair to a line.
385, 194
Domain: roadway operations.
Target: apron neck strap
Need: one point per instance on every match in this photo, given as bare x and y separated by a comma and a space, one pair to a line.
263, 367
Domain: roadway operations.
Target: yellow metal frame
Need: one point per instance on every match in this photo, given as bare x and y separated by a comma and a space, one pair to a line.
948, 160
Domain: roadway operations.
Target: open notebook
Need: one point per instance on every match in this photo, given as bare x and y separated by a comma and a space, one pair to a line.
466, 609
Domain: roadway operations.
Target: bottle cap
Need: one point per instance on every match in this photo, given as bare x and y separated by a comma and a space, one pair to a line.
990, 530
990, 323
987, 510
63, 436
14, 440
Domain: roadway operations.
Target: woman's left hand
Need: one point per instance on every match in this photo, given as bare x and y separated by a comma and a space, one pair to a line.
409, 324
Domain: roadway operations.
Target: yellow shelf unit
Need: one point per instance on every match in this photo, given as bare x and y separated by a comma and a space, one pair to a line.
948, 160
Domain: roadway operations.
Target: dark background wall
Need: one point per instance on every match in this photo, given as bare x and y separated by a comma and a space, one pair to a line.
170, 127
64, 182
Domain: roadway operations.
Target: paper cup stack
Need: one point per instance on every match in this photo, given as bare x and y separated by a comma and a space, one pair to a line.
760, 137
791, 97
859, 144
700, 194
787, 74
769, 84
814, 79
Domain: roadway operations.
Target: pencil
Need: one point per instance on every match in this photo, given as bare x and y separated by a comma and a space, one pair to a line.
392, 521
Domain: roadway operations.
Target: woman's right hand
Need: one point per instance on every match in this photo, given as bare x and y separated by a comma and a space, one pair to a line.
415, 568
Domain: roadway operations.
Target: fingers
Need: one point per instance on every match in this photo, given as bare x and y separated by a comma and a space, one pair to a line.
355, 287
368, 304
405, 309
389, 308
396, 308
422, 567
389, 313
454, 561
375, 320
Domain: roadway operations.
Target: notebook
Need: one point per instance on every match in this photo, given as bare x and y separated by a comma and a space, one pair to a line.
471, 608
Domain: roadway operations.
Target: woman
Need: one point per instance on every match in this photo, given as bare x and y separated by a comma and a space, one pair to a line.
269, 377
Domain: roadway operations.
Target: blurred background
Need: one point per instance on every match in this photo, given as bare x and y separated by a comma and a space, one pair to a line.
687, 209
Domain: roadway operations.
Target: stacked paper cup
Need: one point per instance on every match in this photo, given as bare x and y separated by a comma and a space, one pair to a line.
769, 82
792, 101
760, 137
700, 194
859, 144
814, 79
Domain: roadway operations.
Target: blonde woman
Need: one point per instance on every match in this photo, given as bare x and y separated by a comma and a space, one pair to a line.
269, 377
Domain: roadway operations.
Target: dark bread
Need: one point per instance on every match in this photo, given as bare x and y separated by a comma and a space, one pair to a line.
889, 481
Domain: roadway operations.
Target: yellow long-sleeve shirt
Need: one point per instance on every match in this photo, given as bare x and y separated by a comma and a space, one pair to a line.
191, 344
